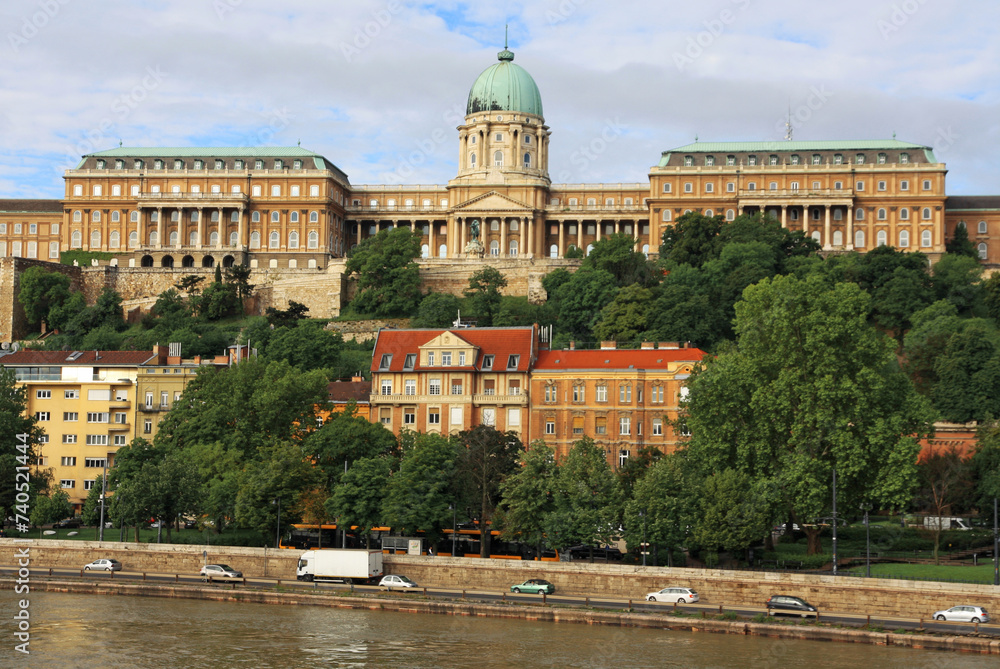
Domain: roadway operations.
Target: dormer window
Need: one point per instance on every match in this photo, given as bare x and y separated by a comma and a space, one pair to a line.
795, 159
258, 164
446, 358
688, 161
773, 160
119, 164
709, 161
752, 160
859, 159
512, 361
838, 159
100, 164
158, 164
383, 364
409, 361
239, 164
137, 165
297, 165
487, 362
218, 164
199, 164
730, 160
430, 359
278, 164
178, 164
881, 159
904, 158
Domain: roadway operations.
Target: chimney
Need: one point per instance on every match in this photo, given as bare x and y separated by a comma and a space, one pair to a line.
668, 344
647, 346
609, 345
572, 345
356, 379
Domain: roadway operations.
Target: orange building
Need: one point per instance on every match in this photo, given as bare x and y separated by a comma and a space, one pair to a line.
623, 399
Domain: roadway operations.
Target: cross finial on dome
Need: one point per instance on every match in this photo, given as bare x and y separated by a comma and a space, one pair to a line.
505, 35
505, 55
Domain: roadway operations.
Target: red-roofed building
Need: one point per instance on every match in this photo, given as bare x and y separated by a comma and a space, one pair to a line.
452, 380
623, 399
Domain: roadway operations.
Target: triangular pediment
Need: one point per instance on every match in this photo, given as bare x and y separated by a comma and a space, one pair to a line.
492, 201
446, 339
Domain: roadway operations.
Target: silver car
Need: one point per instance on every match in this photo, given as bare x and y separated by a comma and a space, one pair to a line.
220, 572
396, 581
672, 594
104, 565
964, 614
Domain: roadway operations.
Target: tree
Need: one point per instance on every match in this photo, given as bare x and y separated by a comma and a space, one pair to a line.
985, 464
967, 373
20, 436
91, 514
239, 276
957, 278
281, 472
189, 283
437, 310
41, 291
345, 438
527, 496
960, 244
809, 386
586, 499
388, 276
581, 299
219, 300
307, 346
51, 508
624, 319
735, 511
278, 318
616, 255
484, 294
945, 480
419, 494
662, 506
691, 240
488, 458
991, 296
360, 495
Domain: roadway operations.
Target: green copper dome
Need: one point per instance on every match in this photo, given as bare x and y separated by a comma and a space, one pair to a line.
505, 87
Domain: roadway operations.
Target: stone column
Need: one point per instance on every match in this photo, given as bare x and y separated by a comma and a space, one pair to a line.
221, 229
599, 223
784, 216
805, 220
159, 227
617, 226
579, 235
504, 253
849, 242
522, 250
359, 231
461, 237
430, 240
240, 242
826, 228
531, 236
562, 238
141, 229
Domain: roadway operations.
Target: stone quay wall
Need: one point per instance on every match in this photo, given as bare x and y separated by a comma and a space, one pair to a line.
883, 597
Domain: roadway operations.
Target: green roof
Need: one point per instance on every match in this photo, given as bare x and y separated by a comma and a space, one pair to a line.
505, 87
193, 152
784, 146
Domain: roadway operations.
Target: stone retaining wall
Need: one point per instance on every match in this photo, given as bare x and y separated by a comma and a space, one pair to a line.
885, 597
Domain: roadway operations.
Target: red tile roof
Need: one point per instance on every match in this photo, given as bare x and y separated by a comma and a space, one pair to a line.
85, 358
616, 359
345, 391
498, 342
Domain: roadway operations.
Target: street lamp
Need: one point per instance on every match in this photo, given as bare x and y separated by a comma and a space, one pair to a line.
454, 527
277, 532
835, 520
868, 556
996, 542
642, 514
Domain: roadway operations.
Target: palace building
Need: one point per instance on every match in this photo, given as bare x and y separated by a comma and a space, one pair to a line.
291, 211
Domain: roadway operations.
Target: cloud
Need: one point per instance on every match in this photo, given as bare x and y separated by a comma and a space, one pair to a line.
371, 84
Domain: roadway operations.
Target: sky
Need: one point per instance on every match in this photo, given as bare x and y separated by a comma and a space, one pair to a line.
378, 88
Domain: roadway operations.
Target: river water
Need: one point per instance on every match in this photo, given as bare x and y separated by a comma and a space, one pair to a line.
69, 630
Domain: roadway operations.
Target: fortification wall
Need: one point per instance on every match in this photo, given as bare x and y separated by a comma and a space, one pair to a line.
13, 323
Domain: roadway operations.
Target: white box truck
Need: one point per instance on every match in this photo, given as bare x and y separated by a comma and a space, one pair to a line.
350, 565
945, 523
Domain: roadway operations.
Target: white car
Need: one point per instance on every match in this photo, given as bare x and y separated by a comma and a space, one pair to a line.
104, 565
396, 581
220, 572
672, 594
964, 614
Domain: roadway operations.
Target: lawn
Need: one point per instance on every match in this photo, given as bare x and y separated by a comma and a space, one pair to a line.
929, 572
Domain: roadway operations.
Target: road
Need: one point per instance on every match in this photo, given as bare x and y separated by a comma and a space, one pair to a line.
701, 608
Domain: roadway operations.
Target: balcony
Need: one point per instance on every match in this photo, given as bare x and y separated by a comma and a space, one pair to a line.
803, 193
489, 398
202, 199
119, 427
148, 407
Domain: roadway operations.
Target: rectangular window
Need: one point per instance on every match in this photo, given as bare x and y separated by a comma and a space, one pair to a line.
67, 483
120, 440
600, 426
487, 362
927, 184
550, 427
98, 463
625, 425
386, 386
97, 417
457, 414
275, 191
147, 426
385, 416
42, 415
430, 359
71, 394
43, 439
446, 359
512, 361
489, 387
550, 393
577, 424
385, 362
904, 185
120, 418
434, 387
314, 191
409, 416
513, 386
689, 187
410, 387
456, 387
461, 358
43, 394
434, 416
70, 416
731, 187
294, 191
859, 186
97, 440
578, 393
657, 427
709, 188
67, 461
602, 393
69, 439
625, 394
409, 361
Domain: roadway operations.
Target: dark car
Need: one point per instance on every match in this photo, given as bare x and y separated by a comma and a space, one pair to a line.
68, 523
787, 603
605, 553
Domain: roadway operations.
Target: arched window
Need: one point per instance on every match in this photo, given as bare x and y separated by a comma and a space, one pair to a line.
881, 214
294, 217
730, 215
494, 248
255, 217
882, 238
513, 226
175, 216
709, 213
982, 227
494, 226
498, 159
314, 217
274, 239
513, 247
527, 160
645, 249
443, 251
193, 238
95, 239
275, 217
114, 239
255, 240
838, 238
666, 215
838, 215
590, 247
904, 213
96, 216
133, 239
859, 239
77, 216
859, 214
214, 217
982, 250
76, 240
817, 237
234, 238
925, 213
154, 238
173, 238
926, 239
425, 251
134, 216
472, 158
313, 239
213, 238
293, 240
553, 251
116, 216
904, 239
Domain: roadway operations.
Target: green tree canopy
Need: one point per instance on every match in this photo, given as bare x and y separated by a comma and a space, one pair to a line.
960, 244
420, 493
486, 457
616, 255
345, 438
388, 275
586, 499
307, 346
360, 495
437, 310
663, 506
625, 318
41, 291
527, 496
484, 294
